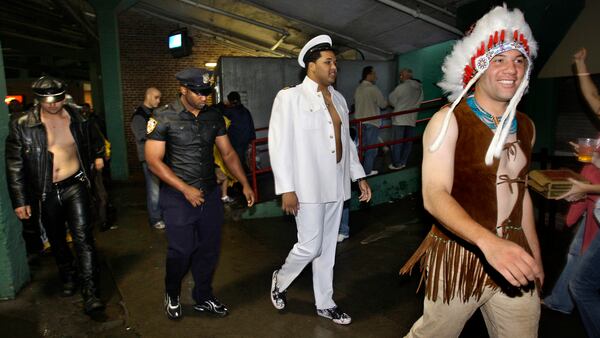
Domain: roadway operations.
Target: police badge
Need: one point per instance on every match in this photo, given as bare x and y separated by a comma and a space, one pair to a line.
151, 125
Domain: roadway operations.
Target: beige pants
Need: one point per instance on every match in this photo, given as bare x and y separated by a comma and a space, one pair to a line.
504, 316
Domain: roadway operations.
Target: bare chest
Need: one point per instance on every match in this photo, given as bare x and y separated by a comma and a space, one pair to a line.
58, 133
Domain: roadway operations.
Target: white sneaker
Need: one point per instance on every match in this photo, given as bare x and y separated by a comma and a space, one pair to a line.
226, 199
393, 167
373, 172
342, 237
278, 298
160, 225
336, 315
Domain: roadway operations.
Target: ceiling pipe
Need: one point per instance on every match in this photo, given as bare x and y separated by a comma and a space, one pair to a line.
365, 46
423, 17
278, 42
253, 45
224, 42
436, 7
50, 42
235, 16
71, 35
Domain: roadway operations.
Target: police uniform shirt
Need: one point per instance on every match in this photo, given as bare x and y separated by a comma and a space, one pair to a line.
189, 141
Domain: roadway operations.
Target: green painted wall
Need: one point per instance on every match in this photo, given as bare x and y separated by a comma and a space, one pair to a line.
387, 187
14, 271
426, 64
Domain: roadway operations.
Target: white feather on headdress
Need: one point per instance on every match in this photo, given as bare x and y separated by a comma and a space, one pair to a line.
497, 31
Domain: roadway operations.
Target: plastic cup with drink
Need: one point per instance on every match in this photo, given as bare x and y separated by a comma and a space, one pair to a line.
585, 149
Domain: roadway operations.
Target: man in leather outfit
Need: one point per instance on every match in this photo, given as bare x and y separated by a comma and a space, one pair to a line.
50, 151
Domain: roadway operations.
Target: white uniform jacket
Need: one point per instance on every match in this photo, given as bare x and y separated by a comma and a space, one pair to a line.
302, 145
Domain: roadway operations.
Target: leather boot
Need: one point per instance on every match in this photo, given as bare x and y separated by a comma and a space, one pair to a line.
91, 303
69, 282
69, 289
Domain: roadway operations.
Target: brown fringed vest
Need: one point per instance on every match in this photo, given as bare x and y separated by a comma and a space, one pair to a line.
463, 265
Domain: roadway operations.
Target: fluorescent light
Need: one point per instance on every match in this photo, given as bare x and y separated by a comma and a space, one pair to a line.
211, 64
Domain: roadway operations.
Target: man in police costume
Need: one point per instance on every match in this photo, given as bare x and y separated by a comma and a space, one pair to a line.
179, 150
313, 160
49, 154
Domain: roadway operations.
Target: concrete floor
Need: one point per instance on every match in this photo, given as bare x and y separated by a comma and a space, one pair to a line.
367, 284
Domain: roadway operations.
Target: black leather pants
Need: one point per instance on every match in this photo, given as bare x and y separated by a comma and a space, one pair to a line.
69, 201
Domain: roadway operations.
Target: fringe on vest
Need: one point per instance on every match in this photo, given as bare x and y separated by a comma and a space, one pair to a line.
463, 272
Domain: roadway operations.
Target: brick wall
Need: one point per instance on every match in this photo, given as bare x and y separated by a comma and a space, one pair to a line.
146, 62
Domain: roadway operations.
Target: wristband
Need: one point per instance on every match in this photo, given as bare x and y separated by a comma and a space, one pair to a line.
583, 74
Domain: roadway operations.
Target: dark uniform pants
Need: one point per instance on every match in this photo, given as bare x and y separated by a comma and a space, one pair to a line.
194, 240
69, 201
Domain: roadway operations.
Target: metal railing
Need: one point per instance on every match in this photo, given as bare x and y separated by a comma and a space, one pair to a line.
361, 148
359, 122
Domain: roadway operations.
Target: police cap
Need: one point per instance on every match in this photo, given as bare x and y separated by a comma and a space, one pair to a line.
198, 80
48, 89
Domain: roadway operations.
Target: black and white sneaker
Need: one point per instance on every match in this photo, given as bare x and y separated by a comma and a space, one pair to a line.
213, 306
336, 315
278, 298
173, 307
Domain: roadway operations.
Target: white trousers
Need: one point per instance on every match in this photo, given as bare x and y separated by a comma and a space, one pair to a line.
318, 225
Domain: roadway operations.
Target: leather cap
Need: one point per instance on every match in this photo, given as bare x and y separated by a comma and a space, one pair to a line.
48, 89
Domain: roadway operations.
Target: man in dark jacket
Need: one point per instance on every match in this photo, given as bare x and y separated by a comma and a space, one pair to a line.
241, 131
50, 151
138, 126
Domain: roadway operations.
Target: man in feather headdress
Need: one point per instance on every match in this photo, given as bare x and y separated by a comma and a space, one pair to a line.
483, 251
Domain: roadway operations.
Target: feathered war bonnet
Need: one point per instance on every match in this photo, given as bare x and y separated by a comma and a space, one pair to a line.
498, 31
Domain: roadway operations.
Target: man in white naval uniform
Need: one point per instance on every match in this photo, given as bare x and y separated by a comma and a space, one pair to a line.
313, 159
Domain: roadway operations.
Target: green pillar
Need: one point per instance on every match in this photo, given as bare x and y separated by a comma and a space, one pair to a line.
14, 271
108, 33
96, 82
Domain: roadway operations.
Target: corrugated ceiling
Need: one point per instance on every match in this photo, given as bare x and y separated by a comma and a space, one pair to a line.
370, 27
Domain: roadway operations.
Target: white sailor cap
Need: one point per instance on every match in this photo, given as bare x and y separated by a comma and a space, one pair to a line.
318, 43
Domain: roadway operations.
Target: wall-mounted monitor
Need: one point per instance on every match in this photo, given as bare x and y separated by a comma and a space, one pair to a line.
180, 44
175, 40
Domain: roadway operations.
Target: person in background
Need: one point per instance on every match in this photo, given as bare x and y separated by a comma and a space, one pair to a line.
101, 177
241, 130
139, 121
581, 209
584, 286
344, 233
407, 95
225, 178
14, 108
368, 101
588, 89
